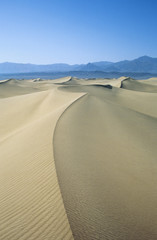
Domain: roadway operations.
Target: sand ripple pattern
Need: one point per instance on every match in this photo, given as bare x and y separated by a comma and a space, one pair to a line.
31, 206
78, 159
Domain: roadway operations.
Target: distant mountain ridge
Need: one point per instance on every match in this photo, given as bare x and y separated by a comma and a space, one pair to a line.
142, 64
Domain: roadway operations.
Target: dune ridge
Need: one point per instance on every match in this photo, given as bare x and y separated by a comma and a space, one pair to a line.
78, 159
105, 154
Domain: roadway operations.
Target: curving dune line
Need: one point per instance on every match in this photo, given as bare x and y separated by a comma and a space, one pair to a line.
31, 205
98, 178
105, 155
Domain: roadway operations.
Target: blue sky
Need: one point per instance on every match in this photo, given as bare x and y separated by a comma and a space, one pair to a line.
71, 31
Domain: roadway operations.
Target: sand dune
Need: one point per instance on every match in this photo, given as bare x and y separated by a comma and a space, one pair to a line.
78, 159
141, 86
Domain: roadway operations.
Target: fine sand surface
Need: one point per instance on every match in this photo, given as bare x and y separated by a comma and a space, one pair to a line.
78, 159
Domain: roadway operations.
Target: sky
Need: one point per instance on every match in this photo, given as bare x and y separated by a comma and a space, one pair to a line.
77, 31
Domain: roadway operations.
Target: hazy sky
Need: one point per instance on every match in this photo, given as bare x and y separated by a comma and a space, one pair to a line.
77, 31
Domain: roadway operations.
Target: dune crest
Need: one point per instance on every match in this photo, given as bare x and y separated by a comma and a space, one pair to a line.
78, 159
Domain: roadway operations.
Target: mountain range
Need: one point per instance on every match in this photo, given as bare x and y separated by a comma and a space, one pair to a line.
142, 64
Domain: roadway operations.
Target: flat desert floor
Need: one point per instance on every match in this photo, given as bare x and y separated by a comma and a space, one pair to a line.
78, 159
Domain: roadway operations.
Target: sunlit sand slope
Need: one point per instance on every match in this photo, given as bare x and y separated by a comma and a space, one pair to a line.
78, 159
31, 205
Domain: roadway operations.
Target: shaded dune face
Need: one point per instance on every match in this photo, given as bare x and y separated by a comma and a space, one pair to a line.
78, 159
105, 155
141, 86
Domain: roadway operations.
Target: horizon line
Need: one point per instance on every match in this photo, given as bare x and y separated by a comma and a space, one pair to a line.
76, 63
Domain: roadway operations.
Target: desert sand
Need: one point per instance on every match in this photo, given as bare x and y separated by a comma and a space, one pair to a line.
78, 159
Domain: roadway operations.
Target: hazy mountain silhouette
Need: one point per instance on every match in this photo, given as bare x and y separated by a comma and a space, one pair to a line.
140, 65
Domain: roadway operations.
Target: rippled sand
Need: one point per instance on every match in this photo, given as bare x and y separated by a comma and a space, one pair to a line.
78, 159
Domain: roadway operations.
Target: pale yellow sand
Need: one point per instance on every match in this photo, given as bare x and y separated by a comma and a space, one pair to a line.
31, 205
141, 86
78, 159
106, 158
